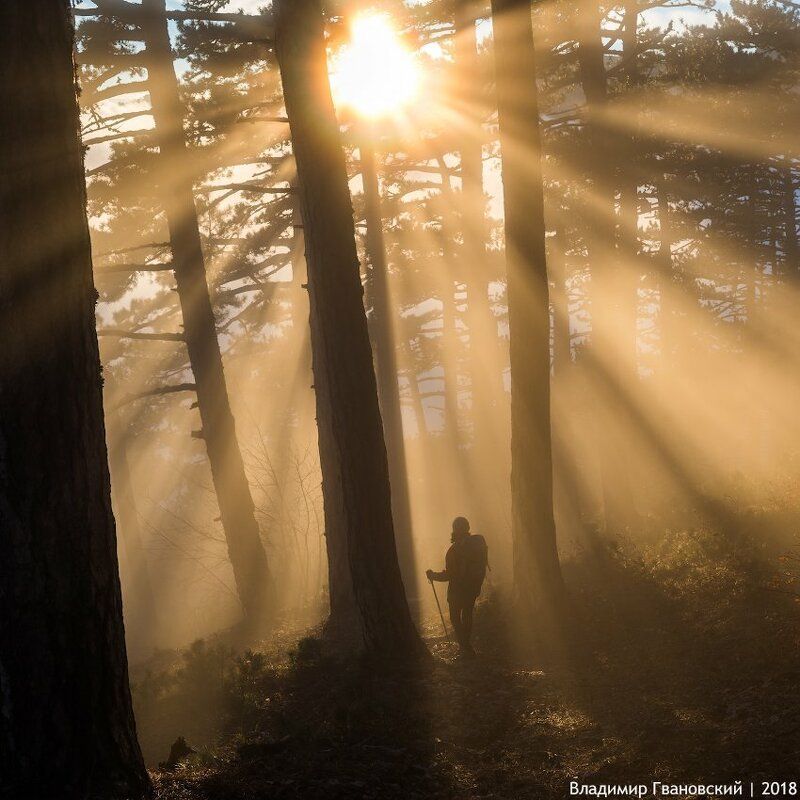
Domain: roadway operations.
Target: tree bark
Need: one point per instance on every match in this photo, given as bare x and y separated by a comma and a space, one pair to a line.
237, 511
355, 482
537, 573
485, 354
386, 369
66, 722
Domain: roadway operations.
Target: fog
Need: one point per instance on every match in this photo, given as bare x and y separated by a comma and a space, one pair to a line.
673, 284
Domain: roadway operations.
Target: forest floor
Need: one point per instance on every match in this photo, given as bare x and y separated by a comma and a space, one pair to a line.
682, 668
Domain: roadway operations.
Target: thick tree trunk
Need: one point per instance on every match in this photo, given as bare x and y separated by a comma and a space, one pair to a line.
237, 512
66, 723
386, 370
537, 573
355, 482
342, 623
299, 295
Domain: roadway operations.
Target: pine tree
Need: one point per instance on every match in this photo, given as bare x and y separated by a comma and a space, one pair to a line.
66, 722
358, 516
245, 548
173, 169
379, 298
537, 573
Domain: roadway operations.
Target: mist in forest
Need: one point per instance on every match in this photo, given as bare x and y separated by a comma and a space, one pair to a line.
365, 268
672, 271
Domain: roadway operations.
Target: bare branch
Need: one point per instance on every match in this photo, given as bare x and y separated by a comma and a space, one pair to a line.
142, 132
155, 337
258, 188
115, 268
96, 96
145, 246
160, 390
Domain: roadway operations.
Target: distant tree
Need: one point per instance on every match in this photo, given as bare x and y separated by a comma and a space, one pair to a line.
171, 171
141, 613
246, 551
358, 514
537, 573
66, 723
485, 362
613, 297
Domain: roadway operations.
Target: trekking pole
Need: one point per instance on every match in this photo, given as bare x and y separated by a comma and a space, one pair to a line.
446, 632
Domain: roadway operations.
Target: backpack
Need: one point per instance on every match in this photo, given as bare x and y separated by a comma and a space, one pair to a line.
477, 561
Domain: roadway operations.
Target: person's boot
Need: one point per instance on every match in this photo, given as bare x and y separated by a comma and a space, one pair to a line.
466, 652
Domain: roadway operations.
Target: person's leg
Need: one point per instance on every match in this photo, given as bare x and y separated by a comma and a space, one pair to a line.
455, 619
466, 622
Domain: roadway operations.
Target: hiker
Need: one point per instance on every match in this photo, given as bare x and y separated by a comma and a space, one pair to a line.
464, 570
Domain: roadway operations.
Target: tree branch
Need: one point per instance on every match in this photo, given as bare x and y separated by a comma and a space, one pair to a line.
161, 390
248, 187
117, 90
113, 268
112, 137
155, 337
256, 27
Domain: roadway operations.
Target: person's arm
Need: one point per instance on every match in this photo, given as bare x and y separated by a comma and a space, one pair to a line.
445, 574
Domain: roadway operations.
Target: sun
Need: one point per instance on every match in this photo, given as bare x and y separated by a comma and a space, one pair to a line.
374, 74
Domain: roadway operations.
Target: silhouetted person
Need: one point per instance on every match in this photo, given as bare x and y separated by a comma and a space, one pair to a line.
464, 570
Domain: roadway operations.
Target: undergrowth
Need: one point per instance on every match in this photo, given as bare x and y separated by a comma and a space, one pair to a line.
680, 665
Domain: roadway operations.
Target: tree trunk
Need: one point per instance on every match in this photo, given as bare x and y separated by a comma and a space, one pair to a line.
386, 369
66, 723
141, 619
537, 573
299, 297
450, 341
568, 500
562, 336
450, 347
628, 271
670, 288
611, 341
237, 512
416, 403
355, 482
485, 354
791, 250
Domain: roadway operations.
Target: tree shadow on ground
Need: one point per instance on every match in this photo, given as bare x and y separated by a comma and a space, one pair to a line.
332, 729
671, 674
680, 666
